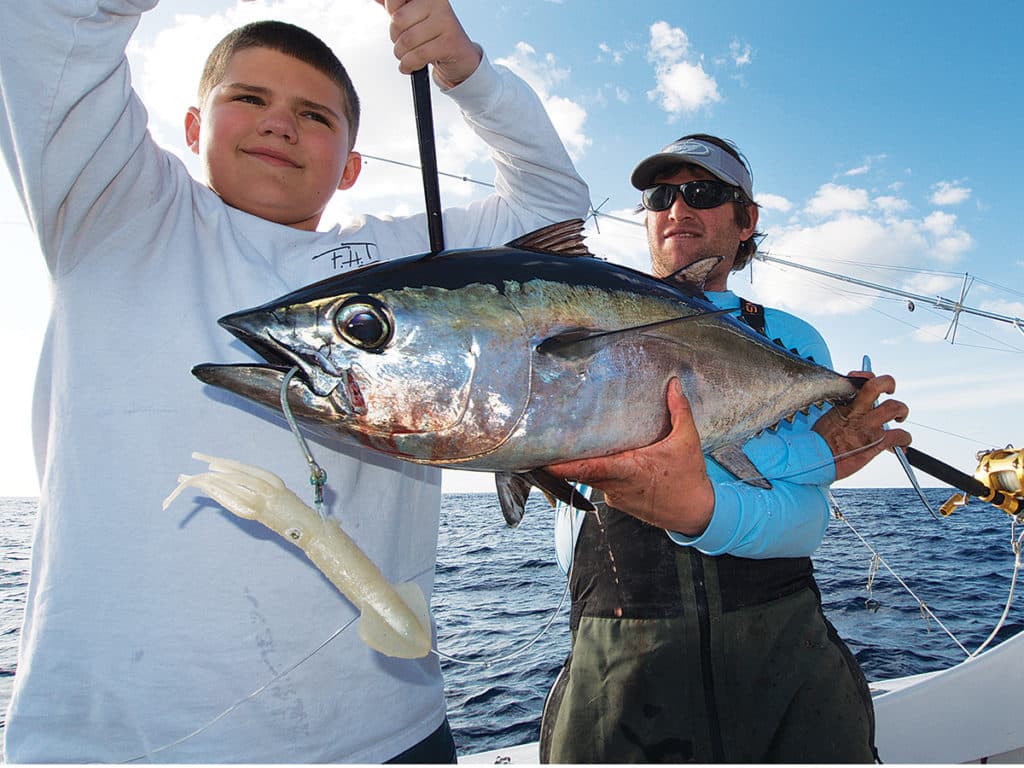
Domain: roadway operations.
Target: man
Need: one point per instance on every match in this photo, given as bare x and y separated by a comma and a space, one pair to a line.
176, 636
697, 626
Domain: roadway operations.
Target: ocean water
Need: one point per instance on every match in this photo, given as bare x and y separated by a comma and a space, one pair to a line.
497, 589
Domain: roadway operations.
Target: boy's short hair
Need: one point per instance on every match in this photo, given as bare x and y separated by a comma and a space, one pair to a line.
293, 41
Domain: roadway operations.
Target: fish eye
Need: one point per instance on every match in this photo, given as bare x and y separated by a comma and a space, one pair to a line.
364, 323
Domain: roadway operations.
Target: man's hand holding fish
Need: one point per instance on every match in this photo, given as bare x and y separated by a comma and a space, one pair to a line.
665, 484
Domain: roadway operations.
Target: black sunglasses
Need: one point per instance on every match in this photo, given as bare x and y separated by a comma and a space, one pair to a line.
701, 194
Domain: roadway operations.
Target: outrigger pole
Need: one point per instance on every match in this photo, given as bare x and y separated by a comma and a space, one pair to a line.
428, 157
940, 302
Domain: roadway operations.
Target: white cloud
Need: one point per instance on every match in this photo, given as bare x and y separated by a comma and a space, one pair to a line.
741, 53
569, 118
854, 237
1004, 307
621, 242
608, 52
865, 167
890, 205
950, 242
684, 88
542, 73
771, 202
950, 248
668, 43
940, 223
863, 236
931, 284
949, 193
930, 333
682, 85
833, 198
25, 295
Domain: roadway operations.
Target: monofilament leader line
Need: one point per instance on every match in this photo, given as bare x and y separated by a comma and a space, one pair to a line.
317, 475
252, 695
317, 478
514, 652
878, 559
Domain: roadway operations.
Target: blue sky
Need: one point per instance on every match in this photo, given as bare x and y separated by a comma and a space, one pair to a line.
884, 139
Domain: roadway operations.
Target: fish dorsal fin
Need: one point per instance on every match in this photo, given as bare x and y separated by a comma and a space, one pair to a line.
564, 238
583, 342
692, 277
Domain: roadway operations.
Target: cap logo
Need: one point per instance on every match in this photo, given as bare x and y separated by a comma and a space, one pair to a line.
689, 147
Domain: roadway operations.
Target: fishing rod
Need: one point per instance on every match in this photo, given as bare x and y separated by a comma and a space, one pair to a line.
428, 157
998, 480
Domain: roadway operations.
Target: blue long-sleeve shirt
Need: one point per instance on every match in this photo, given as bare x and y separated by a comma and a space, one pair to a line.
790, 519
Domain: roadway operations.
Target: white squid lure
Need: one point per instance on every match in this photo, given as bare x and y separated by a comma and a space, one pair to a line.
394, 618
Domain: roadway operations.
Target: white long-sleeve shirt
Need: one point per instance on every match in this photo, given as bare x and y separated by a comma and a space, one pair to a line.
143, 625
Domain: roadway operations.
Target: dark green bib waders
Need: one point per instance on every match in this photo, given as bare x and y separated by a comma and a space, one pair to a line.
681, 657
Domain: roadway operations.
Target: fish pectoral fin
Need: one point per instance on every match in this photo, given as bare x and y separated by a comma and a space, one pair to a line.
733, 459
514, 488
581, 342
564, 238
559, 489
575, 344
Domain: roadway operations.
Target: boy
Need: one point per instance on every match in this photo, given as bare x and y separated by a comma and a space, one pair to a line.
143, 626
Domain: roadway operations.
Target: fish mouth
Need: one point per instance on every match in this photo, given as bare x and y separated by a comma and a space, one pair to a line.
255, 329
316, 389
264, 383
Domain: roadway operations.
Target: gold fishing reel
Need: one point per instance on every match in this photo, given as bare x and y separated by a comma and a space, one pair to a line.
1001, 472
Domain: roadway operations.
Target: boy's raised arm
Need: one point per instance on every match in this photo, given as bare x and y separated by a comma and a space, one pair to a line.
69, 121
535, 179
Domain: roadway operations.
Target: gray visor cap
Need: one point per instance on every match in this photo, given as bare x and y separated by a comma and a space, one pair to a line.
710, 157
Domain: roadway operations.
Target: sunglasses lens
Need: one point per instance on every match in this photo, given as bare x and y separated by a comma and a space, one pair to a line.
659, 197
704, 194
701, 194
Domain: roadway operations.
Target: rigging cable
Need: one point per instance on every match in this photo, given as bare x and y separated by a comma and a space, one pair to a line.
1016, 542
877, 558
